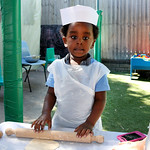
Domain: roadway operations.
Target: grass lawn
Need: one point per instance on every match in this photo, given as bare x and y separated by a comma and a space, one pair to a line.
128, 104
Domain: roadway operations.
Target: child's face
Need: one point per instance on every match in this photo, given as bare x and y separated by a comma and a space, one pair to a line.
79, 39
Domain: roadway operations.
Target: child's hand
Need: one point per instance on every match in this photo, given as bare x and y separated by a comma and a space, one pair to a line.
84, 129
41, 121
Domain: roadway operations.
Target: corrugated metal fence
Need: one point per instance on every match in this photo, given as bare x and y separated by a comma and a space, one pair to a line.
125, 28
51, 9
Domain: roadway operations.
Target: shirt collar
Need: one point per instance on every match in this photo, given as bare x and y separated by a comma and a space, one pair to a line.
84, 62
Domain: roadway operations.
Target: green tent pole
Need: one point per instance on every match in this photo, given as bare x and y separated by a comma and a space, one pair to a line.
97, 47
11, 29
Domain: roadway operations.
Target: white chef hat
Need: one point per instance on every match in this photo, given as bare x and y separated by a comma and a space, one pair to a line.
79, 13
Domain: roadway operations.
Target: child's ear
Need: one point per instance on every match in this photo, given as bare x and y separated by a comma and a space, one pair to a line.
65, 41
93, 44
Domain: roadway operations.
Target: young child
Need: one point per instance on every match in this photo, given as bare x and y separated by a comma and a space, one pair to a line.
77, 83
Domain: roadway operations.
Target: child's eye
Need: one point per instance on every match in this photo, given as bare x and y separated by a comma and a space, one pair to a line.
74, 37
85, 38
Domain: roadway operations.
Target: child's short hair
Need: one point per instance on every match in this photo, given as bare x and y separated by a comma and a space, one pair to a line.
64, 30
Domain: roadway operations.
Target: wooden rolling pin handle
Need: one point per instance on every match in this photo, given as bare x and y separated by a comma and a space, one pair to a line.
9, 131
98, 139
53, 135
1, 134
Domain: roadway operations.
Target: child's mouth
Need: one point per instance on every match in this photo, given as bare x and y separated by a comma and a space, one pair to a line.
78, 49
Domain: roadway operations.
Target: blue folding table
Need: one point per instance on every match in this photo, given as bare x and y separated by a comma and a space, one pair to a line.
137, 63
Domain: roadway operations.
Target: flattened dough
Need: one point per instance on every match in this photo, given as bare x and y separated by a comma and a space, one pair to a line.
38, 144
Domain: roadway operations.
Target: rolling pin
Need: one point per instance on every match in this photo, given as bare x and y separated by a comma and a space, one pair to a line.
1, 134
53, 135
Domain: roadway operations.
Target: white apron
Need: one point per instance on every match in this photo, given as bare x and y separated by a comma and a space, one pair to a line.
74, 87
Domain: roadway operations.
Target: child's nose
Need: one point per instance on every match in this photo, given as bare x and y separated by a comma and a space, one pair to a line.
79, 41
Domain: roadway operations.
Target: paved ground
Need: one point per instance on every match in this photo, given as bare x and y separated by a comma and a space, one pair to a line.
32, 101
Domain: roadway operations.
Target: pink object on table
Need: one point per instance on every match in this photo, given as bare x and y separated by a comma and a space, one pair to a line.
131, 136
